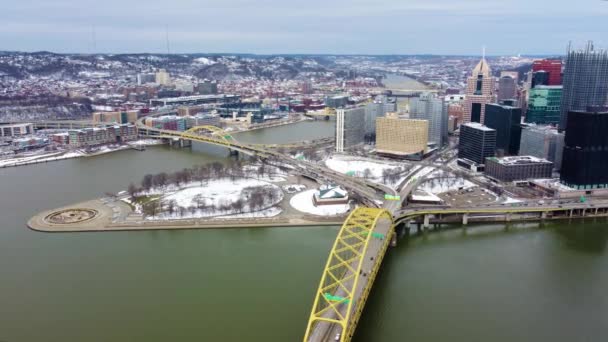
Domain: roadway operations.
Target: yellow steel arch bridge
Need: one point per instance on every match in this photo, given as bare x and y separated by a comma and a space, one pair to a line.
349, 274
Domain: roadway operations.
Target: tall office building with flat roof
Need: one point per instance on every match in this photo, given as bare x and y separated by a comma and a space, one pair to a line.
543, 142
401, 137
479, 92
506, 120
507, 88
585, 161
350, 128
552, 68
433, 109
585, 82
477, 142
544, 105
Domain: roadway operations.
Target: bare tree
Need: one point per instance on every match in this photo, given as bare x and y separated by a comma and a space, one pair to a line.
147, 182
171, 206
132, 190
160, 180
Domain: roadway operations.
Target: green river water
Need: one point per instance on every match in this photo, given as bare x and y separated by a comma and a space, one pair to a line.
486, 283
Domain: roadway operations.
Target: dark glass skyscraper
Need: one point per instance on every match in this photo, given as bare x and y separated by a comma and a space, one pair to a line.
543, 105
477, 142
585, 159
506, 120
585, 81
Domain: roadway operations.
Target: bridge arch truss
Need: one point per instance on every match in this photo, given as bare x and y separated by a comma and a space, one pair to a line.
342, 292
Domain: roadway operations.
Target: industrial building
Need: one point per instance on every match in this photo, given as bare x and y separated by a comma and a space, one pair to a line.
15, 130
516, 168
585, 160
506, 120
207, 87
202, 119
101, 135
350, 128
401, 137
337, 101
544, 105
195, 100
433, 109
542, 142
479, 92
28, 143
477, 142
585, 81
121, 117
168, 122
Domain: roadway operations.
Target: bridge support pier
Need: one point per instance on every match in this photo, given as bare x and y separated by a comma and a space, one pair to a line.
465, 219
543, 215
596, 210
508, 217
185, 143
427, 224
571, 213
584, 211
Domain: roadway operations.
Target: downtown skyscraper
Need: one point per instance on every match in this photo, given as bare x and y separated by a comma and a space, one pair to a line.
585, 82
479, 92
433, 109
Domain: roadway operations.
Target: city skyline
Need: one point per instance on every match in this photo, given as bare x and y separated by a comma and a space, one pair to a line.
272, 27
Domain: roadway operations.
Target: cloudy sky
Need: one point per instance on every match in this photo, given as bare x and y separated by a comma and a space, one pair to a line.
505, 27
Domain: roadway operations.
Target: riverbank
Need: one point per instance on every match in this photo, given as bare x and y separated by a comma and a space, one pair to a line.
63, 155
114, 215
270, 125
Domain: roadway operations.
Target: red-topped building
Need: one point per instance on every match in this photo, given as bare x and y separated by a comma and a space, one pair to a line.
553, 67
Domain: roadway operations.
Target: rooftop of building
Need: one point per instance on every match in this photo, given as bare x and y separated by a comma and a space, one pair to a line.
548, 87
540, 128
503, 106
328, 191
518, 160
477, 125
482, 68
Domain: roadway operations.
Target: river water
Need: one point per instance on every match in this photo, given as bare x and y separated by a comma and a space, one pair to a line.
485, 283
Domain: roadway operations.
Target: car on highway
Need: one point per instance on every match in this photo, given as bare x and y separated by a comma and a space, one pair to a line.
337, 338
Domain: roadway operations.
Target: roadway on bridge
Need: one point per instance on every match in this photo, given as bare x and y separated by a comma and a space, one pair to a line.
326, 331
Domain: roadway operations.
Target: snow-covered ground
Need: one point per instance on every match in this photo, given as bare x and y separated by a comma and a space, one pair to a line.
60, 155
510, 200
359, 165
440, 185
303, 202
217, 193
145, 142
424, 196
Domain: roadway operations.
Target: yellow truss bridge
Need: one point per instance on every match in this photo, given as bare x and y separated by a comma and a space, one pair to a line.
349, 274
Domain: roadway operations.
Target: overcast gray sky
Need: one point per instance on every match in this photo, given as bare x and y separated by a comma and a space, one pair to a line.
292, 26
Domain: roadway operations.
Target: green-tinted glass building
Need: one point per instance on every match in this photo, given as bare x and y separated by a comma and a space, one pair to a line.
544, 105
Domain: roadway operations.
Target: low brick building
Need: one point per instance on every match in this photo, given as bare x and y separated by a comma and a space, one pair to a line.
509, 169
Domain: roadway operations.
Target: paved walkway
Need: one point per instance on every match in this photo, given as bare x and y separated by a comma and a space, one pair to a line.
116, 215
